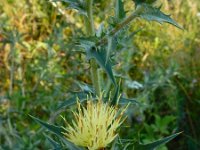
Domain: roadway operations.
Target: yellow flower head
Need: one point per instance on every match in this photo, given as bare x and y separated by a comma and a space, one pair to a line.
95, 125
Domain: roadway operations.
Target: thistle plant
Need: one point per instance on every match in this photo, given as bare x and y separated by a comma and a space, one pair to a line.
95, 126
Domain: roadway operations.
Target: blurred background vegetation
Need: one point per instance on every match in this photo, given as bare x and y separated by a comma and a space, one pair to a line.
39, 67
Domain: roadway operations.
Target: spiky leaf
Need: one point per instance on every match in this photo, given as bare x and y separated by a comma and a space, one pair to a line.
99, 54
56, 145
152, 146
151, 13
58, 131
55, 129
100, 57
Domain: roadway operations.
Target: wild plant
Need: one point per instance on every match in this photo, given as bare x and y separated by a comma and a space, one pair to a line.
101, 106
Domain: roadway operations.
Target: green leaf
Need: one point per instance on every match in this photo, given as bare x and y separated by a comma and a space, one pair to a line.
116, 95
122, 144
55, 129
98, 53
56, 145
119, 10
87, 43
100, 56
123, 100
151, 13
76, 4
58, 131
152, 146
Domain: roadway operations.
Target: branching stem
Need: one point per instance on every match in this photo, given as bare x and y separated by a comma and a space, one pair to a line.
89, 22
118, 27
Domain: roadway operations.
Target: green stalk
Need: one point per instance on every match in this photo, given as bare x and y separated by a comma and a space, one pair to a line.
95, 76
89, 19
89, 22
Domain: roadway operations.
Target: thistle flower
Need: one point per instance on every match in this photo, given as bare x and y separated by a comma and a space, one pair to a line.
95, 125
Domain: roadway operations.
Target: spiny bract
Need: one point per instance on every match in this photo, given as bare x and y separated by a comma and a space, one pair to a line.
95, 125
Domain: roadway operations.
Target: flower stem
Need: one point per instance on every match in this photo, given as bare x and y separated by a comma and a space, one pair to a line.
89, 22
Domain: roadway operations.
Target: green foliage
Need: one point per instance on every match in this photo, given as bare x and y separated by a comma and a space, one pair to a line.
94, 47
55, 129
99, 55
152, 146
151, 13
42, 55
58, 131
